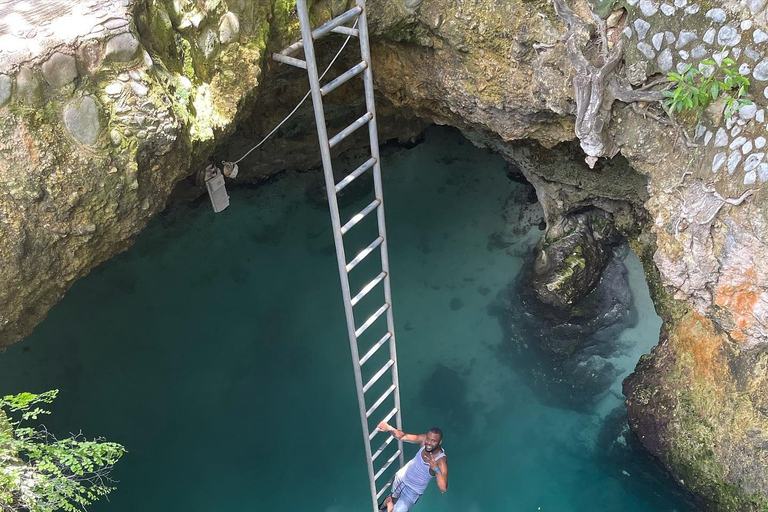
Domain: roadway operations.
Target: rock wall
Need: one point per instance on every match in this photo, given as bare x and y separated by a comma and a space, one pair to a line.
103, 108
99, 125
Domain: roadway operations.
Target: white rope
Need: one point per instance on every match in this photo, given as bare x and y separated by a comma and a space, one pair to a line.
300, 103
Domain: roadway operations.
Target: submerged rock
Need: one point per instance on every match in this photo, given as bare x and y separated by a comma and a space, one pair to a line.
565, 359
571, 257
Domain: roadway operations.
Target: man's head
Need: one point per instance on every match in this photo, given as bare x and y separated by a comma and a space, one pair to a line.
433, 440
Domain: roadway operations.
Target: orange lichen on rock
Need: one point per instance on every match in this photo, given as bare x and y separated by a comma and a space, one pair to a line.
700, 342
739, 296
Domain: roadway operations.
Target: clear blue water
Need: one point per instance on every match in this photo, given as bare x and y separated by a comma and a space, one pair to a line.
215, 351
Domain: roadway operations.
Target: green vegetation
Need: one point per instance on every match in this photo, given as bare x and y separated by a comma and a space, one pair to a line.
696, 89
39, 473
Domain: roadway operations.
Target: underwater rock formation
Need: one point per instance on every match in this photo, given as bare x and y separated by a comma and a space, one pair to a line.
563, 352
571, 257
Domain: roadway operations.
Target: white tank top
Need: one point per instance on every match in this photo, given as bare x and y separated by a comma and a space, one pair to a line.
417, 474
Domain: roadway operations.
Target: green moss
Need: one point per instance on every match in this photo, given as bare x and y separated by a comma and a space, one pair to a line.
284, 17
184, 52
669, 309
573, 265
693, 460
407, 32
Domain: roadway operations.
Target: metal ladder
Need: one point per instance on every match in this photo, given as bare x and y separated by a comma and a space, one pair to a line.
376, 471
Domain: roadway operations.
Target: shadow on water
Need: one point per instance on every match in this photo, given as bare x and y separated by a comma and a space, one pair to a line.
445, 391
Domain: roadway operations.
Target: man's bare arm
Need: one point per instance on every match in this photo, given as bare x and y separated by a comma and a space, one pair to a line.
442, 475
399, 434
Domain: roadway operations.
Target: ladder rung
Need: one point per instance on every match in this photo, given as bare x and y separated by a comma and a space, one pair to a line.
382, 491
290, 60
346, 132
355, 174
371, 319
389, 463
360, 216
367, 288
335, 22
291, 48
380, 400
333, 25
378, 375
347, 31
382, 448
374, 348
386, 418
364, 253
342, 79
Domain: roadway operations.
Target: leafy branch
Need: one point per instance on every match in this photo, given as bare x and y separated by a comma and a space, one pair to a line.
39, 473
696, 88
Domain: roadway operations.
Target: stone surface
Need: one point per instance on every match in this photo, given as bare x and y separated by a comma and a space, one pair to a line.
718, 161
60, 69
728, 36
6, 86
755, 6
646, 50
229, 28
665, 60
761, 71
28, 86
641, 27
685, 37
81, 117
717, 15
122, 48
648, 7
709, 36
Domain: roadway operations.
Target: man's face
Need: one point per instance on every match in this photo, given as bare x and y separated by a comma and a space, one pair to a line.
432, 442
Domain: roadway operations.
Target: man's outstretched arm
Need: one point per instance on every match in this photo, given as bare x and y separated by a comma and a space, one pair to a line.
441, 473
399, 434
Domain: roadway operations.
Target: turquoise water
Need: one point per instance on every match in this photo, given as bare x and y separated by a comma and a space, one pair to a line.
215, 351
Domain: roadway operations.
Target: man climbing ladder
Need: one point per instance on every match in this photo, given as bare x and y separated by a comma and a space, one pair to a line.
412, 479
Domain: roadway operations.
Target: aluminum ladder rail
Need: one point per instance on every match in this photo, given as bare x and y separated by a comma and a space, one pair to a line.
338, 25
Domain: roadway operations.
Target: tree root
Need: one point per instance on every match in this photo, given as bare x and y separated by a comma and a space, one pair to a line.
596, 86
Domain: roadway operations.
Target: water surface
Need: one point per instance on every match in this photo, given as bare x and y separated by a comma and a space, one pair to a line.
215, 350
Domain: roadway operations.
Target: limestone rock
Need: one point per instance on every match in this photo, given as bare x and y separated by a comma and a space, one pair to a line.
28, 86
81, 116
229, 28
60, 69
6, 85
571, 259
122, 47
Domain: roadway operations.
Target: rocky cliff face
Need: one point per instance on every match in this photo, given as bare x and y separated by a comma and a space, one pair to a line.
100, 119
